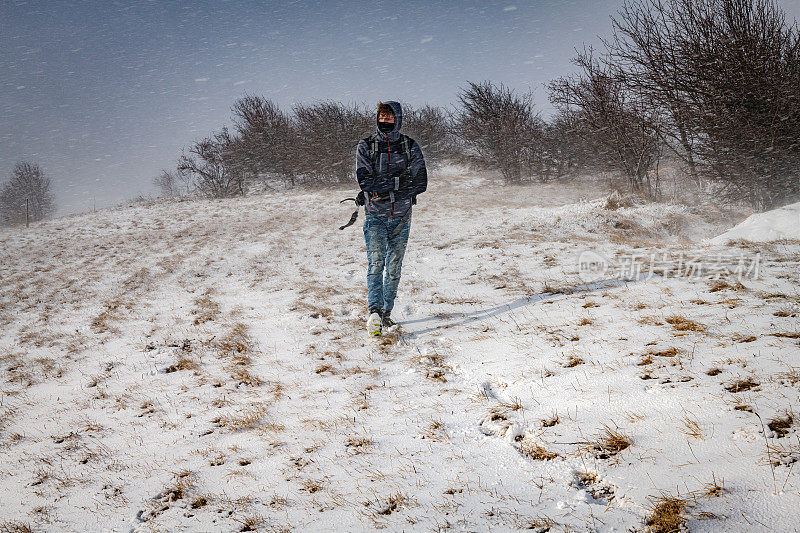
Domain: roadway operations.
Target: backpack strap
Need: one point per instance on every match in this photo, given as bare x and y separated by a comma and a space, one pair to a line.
373, 148
406, 147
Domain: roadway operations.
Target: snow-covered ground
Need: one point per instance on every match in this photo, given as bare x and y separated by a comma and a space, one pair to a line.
203, 366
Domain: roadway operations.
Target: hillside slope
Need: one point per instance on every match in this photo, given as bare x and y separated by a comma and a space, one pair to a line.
202, 366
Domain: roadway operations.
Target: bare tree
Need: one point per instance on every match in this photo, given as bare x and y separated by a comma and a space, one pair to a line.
215, 165
564, 148
329, 131
430, 127
173, 183
620, 122
497, 125
269, 137
725, 75
27, 183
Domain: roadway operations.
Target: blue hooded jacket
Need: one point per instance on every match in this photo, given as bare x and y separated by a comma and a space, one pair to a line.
387, 192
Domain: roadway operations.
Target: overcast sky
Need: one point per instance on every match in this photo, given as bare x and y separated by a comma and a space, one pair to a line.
104, 94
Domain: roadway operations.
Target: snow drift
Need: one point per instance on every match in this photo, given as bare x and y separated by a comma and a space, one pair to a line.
781, 223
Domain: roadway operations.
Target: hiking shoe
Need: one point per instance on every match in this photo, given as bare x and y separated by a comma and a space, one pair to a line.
386, 321
374, 324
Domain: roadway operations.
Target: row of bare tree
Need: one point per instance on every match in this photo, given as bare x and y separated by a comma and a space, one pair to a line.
711, 84
493, 128
311, 144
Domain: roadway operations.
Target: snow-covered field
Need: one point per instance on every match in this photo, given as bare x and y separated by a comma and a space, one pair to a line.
202, 366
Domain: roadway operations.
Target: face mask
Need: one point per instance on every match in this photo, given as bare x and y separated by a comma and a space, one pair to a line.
385, 127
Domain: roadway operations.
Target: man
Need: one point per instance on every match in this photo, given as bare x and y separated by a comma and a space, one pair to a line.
391, 171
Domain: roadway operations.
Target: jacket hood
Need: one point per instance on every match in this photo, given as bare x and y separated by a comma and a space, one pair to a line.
398, 120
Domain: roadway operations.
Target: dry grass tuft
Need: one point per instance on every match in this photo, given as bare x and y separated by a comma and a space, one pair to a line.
783, 453
310, 486
15, 527
650, 321
535, 451
100, 324
712, 489
787, 335
183, 363
435, 367
236, 342
721, 285
252, 418
251, 523
666, 514
646, 360
781, 425
590, 482
435, 431
585, 322
540, 524
498, 413
681, 323
206, 309
200, 501
393, 503
741, 385
573, 361
358, 445
515, 404
321, 369
792, 376
692, 428
587, 478
609, 443
715, 371
550, 422
669, 352
786, 312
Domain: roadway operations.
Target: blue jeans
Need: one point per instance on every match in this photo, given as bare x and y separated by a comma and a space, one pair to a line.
385, 251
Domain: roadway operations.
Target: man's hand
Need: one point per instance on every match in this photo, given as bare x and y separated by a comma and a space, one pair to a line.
406, 181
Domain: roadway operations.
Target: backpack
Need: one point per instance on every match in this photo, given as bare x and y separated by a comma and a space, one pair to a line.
373, 141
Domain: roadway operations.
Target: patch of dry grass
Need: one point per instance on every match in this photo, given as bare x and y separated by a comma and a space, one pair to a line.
205, 308
786, 311
783, 452
722, 285
435, 431
741, 385
311, 486
781, 425
15, 527
667, 514
573, 361
184, 362
646, 360
392, 503
692, 428
251, 522
550, 422
537, 452
787, 335
668, 352
681, 323
609, 443
358, 445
